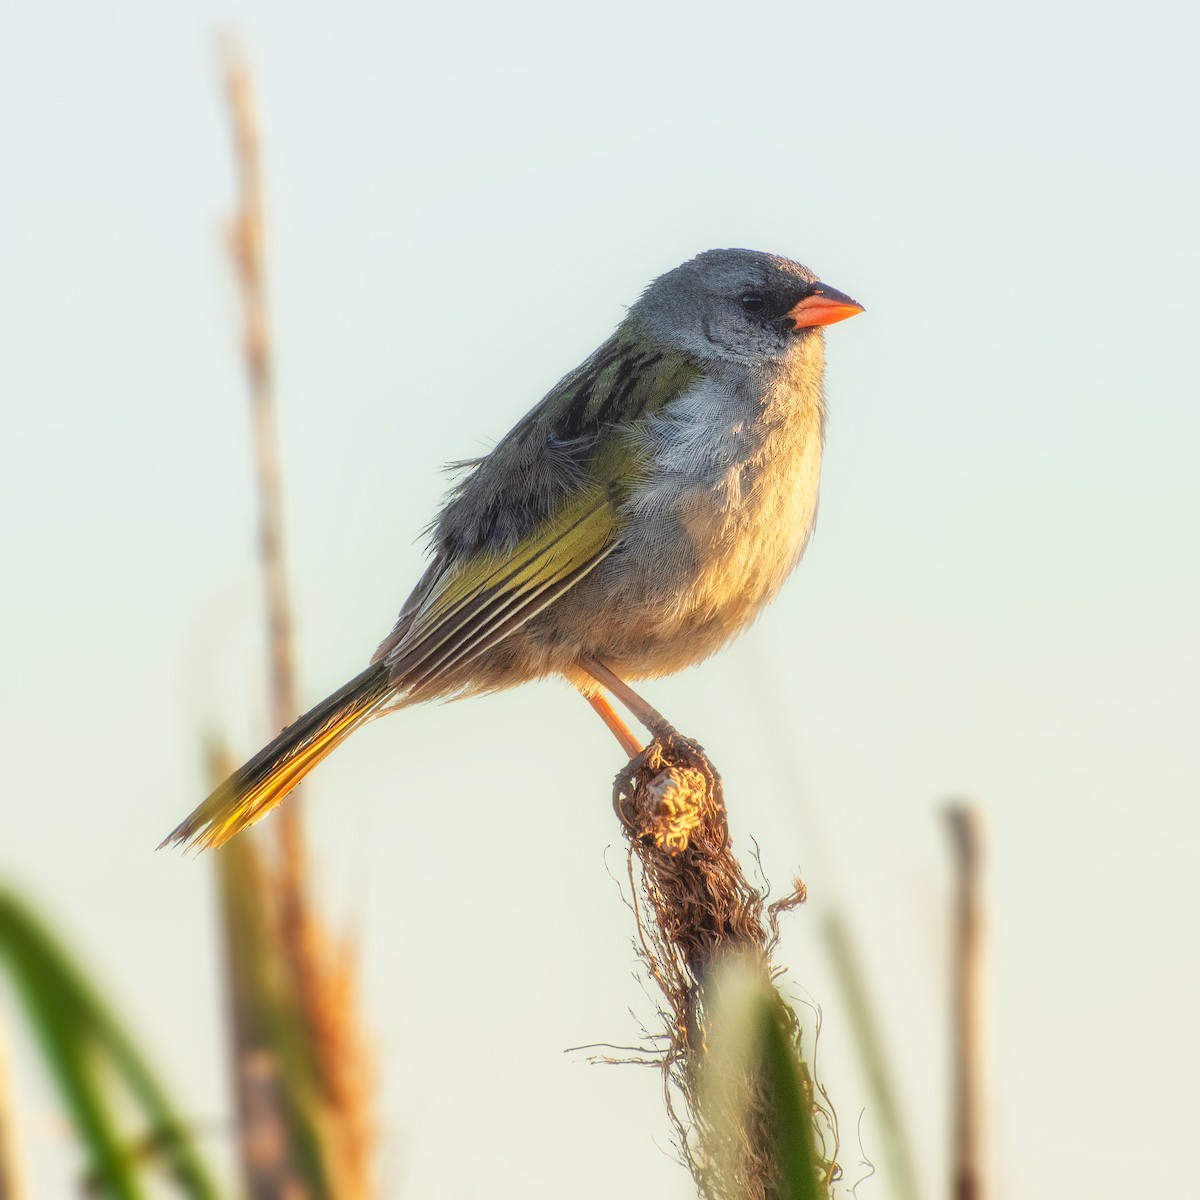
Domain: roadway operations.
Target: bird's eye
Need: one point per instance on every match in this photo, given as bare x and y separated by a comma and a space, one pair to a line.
752, 302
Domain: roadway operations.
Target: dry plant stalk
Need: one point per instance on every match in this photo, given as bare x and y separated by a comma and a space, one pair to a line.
247, 248
968, 972
268, 1165
694, 906
329, 1001
323, 972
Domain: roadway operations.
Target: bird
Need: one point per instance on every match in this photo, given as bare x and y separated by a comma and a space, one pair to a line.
629, 525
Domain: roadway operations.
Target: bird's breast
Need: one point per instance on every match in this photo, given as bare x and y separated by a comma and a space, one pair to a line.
717, 522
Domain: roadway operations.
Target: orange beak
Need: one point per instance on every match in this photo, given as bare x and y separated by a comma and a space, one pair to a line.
823, 307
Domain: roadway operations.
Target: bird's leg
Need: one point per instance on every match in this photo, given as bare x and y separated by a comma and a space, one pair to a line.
650, 717
612, 719
656, 766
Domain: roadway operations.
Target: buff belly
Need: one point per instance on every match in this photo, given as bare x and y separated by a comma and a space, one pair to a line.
705, 547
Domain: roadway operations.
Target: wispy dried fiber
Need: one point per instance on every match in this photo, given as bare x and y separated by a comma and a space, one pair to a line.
695, 909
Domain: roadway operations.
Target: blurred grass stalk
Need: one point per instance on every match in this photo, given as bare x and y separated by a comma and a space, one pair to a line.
284, 1132
751, 1049
12, 1165
97, 1067
900, 1170
899, 1173
968, 1049
318, 1050
969, 1058
246, 236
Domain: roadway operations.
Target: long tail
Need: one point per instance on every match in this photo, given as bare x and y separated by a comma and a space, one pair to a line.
254, 789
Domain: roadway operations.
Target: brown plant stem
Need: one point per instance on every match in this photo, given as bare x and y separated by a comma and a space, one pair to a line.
268, 1169
261, 1105
247, 248
694, 908
968, 970
321, 973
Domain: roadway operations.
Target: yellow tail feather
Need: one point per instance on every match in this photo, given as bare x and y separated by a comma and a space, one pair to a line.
254, 789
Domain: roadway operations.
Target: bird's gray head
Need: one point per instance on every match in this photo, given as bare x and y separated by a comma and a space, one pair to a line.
741, 305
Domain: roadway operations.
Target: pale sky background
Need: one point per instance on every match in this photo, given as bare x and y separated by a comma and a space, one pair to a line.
1001, 600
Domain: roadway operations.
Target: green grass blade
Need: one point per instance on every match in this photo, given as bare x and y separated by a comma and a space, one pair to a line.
88, 1051
756, 1098
900, 1170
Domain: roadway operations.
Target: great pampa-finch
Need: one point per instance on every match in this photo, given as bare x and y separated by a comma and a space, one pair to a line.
628, 526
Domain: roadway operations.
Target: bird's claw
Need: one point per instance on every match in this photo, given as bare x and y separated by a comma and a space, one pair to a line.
659, 794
